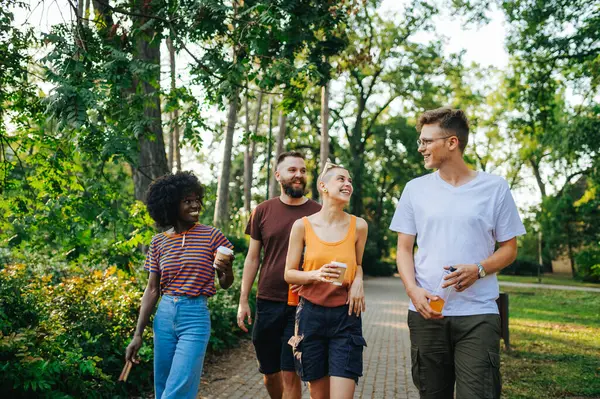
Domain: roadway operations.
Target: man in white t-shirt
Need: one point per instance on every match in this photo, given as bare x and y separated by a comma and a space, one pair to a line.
457, 216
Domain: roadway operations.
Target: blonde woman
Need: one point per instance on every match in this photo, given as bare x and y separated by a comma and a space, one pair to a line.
328, 344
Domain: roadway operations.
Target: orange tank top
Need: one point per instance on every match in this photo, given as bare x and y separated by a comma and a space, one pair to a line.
318, 253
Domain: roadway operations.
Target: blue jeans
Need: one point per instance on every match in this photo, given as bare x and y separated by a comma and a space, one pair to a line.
181, 332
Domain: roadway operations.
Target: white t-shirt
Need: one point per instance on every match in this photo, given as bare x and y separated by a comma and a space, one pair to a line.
457, 225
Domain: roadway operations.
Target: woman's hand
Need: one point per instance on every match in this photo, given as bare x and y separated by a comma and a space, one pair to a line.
224, 269
356, 297
326, 274
132, 349
224, 266
296, 288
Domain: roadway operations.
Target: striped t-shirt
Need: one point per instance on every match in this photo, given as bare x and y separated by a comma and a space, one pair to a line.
185, 261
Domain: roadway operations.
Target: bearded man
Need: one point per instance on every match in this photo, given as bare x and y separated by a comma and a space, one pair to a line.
269, 229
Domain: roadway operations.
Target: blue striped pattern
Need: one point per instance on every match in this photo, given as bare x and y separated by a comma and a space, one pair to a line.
186, 270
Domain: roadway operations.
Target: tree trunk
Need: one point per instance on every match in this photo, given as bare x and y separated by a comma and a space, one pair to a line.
221, 208
274, 186
356, 163
249, 153
570, 250
314, 186
80, 9
324, 155
171, 156
174, 151
538, 176
86, 13
152, 160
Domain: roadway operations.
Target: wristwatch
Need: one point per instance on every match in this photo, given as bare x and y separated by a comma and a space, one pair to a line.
482, 272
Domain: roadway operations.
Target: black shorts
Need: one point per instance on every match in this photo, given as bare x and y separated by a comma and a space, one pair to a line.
329, 342
273, 327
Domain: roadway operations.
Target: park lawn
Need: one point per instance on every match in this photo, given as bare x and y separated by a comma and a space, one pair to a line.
555, 340
552, 279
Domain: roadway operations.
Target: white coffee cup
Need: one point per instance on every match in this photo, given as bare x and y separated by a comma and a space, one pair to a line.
224, 253
341, 267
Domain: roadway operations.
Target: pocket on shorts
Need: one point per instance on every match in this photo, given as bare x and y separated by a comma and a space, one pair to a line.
296, 343
493, 384
356, 344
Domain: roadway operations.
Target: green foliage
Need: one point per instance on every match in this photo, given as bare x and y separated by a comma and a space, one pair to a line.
379, 268
61, 202
66, 338
64, 335
523, 267
588, 264
225, 332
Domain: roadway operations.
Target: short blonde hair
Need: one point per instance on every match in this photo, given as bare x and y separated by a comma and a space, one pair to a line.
329, 166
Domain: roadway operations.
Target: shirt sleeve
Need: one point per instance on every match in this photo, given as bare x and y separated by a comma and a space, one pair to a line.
404, 217
253, 227
152, 264
219, 240
508, 223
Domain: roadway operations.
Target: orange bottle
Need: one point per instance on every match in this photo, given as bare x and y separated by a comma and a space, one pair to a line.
293, 297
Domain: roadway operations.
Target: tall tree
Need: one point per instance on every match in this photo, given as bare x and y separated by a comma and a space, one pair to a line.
554, 48
221, 208
324, 153
152, 159
250, 151
382, 64
279, 148
174, 135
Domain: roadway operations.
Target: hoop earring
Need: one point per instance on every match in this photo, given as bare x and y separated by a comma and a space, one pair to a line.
325, 190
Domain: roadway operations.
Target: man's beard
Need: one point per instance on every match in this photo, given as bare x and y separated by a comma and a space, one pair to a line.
289, 189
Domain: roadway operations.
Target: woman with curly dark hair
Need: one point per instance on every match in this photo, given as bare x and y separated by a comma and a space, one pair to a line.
181, 264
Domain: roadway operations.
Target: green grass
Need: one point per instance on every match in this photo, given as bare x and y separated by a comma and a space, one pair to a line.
552, 279
555, 339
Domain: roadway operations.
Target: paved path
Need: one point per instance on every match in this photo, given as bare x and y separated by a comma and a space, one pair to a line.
386, 359
549, 286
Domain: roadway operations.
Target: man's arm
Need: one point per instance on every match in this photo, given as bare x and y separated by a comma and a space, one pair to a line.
406, 267
466, 275
251, 265
504, 256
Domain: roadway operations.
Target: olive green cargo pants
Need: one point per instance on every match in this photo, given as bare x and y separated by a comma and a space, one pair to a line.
456, 349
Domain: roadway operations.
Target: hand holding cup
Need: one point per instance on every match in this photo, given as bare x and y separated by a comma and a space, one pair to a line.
224, 260
330, 273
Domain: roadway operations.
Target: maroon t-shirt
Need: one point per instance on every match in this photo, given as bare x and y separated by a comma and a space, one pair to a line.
271, 223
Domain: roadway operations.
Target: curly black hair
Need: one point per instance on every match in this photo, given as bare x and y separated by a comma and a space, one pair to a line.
165, 194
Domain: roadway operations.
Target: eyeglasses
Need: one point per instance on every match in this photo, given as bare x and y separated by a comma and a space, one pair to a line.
426, 142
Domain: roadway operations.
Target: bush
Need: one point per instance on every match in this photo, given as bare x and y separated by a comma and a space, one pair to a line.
240, 245
225, 332
67, 339
588, 265
522, 267
380, 269
64, 334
